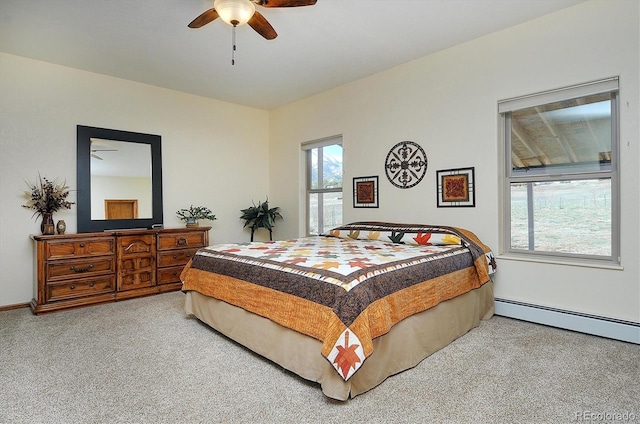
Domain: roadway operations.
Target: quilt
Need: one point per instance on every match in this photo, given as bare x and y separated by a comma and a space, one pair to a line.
347, 287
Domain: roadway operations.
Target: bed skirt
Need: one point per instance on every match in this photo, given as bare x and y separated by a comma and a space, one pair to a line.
409, 341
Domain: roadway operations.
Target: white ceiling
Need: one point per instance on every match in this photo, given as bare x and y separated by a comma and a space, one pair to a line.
318, 47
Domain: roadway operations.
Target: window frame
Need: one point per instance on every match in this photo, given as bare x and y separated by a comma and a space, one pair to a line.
507, 177
308, 148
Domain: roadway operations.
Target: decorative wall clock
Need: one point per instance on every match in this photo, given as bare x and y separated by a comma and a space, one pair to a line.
406, 164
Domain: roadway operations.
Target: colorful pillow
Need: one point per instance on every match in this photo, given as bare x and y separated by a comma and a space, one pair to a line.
419, 235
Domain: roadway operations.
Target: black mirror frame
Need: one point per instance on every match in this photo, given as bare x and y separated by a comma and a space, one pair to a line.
85, 223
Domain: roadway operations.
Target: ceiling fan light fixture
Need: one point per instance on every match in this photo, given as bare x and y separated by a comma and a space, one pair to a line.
235, 12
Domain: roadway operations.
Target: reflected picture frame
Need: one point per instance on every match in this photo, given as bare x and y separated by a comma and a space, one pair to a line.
365, 192
456, 188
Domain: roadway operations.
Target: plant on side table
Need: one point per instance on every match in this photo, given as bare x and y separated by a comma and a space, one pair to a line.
260, 216
192, 215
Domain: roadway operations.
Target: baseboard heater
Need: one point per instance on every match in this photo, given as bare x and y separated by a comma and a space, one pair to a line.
625, 331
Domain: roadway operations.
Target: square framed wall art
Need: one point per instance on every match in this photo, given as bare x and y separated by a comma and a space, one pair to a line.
365, 192
456, 188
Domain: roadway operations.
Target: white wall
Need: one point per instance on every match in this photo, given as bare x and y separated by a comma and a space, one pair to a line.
447, 103
203, 160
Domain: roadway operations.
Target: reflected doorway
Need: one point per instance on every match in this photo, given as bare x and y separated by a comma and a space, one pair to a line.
121, 208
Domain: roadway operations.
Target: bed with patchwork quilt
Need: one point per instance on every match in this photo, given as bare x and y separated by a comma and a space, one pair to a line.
349, 308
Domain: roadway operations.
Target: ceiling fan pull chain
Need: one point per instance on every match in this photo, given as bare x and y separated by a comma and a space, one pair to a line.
233, 49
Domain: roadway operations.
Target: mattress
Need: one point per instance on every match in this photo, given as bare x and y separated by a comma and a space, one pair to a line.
346, 290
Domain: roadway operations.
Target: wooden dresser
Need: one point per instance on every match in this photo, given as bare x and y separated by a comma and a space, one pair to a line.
74, 270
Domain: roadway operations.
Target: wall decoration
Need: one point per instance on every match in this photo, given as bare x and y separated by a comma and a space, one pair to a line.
365, 192
406, 164
456, 187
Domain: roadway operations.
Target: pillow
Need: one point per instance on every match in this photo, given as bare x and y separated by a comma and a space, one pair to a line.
419, 235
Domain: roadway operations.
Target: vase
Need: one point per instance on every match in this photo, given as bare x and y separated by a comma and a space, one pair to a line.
61, 226
192, 222
47, 227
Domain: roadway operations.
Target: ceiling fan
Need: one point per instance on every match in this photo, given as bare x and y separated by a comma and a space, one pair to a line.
95, 156
240, 12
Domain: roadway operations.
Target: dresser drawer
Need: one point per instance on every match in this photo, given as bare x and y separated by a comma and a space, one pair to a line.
175, 257
170, 274
79, 247
76, 268
136, 246
85, 287
181, 240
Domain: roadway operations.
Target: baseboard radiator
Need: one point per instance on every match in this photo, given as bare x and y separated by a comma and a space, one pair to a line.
599, 326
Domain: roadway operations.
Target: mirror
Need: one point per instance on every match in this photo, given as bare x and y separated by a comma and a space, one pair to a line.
119, 179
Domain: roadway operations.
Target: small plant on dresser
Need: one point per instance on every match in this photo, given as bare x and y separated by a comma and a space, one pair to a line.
192, 215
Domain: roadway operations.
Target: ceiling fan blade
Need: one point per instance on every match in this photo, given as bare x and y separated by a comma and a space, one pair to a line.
262, 27
285, 3
204, 18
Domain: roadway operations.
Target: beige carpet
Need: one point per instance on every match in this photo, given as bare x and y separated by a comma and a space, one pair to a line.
144, 361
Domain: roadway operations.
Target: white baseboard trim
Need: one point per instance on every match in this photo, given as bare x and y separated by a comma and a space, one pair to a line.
599, 326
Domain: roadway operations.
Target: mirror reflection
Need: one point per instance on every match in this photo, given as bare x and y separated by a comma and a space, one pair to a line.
121, 185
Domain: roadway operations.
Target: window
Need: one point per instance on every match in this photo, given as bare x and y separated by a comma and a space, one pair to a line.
561, 173
324, 184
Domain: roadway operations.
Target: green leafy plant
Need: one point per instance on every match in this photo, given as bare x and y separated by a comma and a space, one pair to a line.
195, 213
260, 216
47, 196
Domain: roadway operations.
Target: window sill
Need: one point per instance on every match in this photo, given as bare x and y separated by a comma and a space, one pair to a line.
558, 261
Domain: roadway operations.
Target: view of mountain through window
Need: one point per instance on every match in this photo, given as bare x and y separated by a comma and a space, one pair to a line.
324, 188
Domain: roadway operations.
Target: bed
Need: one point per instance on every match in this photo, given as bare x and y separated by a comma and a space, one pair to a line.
347, 309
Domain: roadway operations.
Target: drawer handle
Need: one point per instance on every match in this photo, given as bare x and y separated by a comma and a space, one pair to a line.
92, 284
175, 272
72, 286
175, 256
182, 241
81, 244
83, 269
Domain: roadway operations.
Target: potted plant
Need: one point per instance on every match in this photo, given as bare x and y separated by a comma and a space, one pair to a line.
194, 213
46, 197
260, 216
